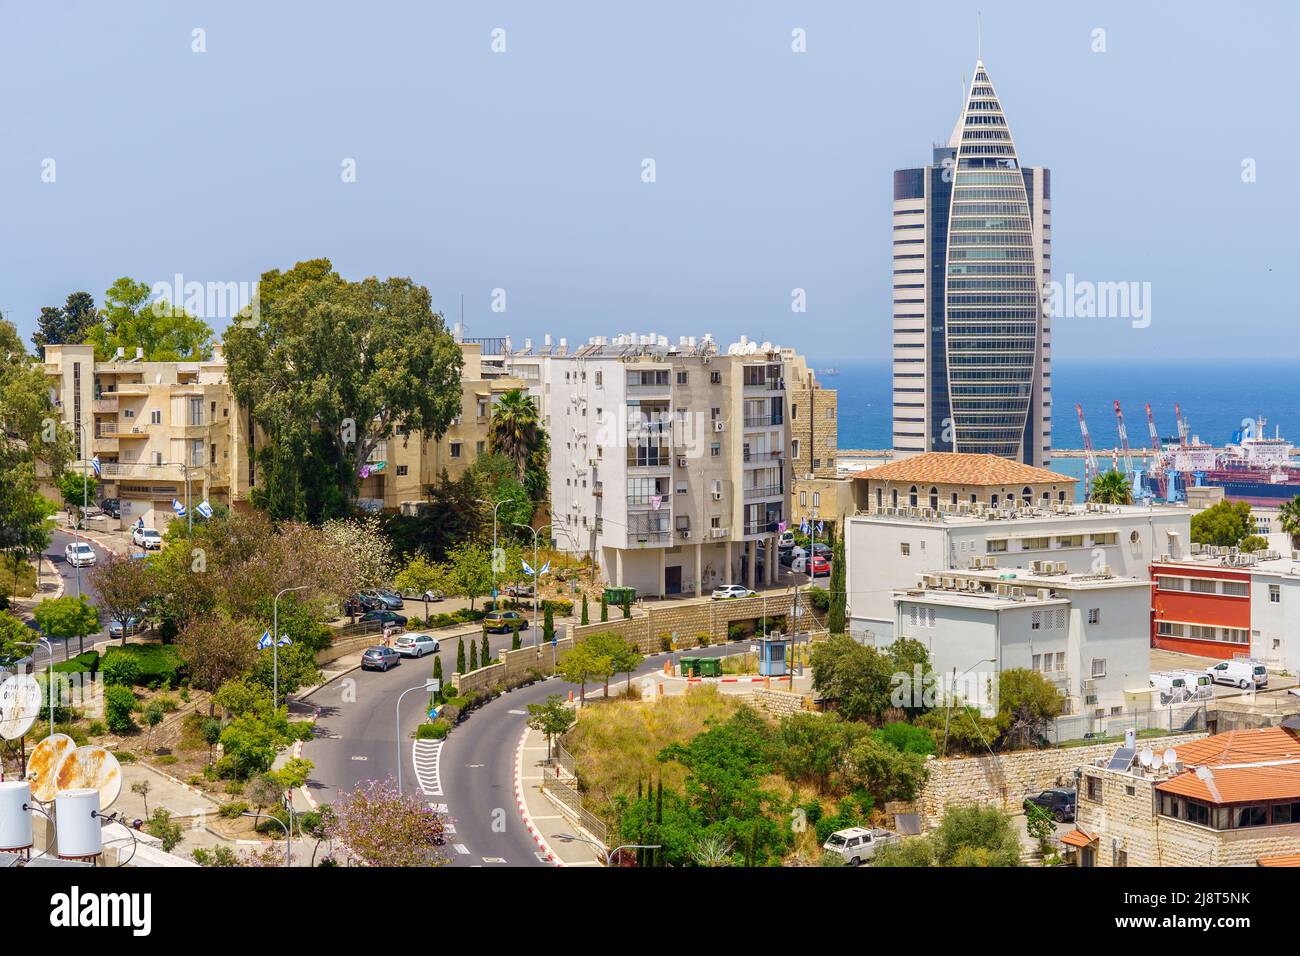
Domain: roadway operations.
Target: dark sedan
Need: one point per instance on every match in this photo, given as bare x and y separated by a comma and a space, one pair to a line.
379, 658
385, 617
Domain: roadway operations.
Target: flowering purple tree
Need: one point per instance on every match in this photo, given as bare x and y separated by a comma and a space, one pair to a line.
381, 827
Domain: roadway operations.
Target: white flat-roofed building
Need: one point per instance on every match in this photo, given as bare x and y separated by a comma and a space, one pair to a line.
1085, 632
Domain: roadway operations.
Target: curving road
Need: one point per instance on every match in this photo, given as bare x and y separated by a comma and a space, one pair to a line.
476, 765
58, 541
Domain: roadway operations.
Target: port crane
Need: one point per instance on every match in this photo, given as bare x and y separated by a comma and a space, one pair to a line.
1123, 439
1090, 471
1157, 468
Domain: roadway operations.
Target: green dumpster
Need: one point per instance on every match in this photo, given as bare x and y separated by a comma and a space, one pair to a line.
710, 666
690, 666
614, 596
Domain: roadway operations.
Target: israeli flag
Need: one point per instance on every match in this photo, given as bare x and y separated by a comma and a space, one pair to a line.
178, 508
803, 526
264, 641
94, 463
528, 569
545, 568
820, 527
283, 642
204, 508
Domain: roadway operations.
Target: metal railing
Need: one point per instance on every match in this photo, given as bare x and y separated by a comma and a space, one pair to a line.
763, 421
764, 491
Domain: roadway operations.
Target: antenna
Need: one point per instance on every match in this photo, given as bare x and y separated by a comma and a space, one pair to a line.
20, 704
979, 36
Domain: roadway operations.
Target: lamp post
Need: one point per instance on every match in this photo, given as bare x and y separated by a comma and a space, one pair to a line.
49, 649
494, 540
609, 855
275, 643
189, 512
397, 723
288, 843
947, 720
85, 482
537, 577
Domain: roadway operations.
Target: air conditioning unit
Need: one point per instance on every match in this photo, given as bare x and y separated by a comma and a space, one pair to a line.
1018, 593
721, 532
1060, 567
717, 496
1044, 594
681, 461
719, 426
684, 533
974, 585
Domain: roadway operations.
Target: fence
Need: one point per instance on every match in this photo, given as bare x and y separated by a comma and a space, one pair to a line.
565, 792
1175, 719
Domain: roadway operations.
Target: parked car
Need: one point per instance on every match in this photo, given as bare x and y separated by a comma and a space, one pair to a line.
1239, 673
786, 540
16, 664
147, 538
385, 617
731, 591
365, 601
1056, 801
379, 658
820, 566
519, 590
430, 596
134, 625
111, 507
415, 645
502, 621
79, 554
381, 599
1199, 684
858, 844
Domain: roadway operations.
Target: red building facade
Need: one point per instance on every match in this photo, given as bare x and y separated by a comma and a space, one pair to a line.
1202, 610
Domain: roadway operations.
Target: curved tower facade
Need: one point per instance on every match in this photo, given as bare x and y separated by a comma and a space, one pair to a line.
972, 251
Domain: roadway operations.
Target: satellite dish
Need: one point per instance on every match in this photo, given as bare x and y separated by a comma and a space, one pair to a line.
20, 704
1171, 757
1145, 757
90, 768
44, 761
1156, 761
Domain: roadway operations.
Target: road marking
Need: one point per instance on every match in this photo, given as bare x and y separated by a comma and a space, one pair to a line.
494, 859
473, 766
518, 713
462, 849
438, 807
427, 757
449, 828
542, 857
360, 758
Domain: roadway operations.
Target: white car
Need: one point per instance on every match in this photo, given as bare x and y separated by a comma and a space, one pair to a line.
79, 554
147, 538
857, 844
1239, 673
415, 645
731, 591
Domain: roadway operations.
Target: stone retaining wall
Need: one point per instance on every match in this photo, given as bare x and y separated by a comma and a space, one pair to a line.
774, 703
513, 666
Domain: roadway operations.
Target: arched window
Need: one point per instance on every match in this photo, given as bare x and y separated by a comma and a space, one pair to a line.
911, 497
993, 500
880, 499
895, 496
934, 498
954, 499
1061, 496
1028, 496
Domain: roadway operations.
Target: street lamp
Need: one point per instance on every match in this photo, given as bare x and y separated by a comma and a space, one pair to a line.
430, 684
494, 540
609, 856
189, 512
288, 843
947, 719
85, 482
49, 649
537, 577
275, 643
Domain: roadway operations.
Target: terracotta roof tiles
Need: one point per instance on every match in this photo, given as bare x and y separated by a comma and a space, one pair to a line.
954, 468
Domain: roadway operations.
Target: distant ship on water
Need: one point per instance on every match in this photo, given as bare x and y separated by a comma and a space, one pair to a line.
1252, 468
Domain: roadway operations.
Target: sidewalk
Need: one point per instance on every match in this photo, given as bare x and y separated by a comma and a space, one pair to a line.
49, 585
541, 816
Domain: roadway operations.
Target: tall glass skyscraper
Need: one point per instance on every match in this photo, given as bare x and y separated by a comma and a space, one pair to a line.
972, 252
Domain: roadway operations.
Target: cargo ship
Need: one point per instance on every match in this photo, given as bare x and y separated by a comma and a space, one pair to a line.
1252, 467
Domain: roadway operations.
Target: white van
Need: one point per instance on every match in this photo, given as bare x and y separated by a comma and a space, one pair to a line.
1172, 687
1199, 685
1239, 673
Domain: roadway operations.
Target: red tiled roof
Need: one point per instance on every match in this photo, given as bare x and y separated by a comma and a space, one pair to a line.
1245, 766
1291, 860
1079, 838
954, 468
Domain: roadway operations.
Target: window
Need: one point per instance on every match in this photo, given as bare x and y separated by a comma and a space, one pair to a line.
455, 449
794, 448
996, 545
794, 411
1033, 544
1098, 667
155, 417
1203, 586
715, 378
1094, 615
904, 548
934, 498
600, 376
1236, 588
911, 496
402, 471
480, 447
715, 450
817, 499
681, 487
803, 499
1275, 594
681, 378
1093, 789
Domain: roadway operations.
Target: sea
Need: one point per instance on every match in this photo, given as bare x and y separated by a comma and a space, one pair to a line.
1215, 398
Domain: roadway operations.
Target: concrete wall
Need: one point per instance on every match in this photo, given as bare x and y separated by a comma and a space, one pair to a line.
513, 666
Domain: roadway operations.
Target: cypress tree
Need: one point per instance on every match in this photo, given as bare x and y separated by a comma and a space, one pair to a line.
659, 821
627, 606
515, 642
585, 619
604, 609
835, 617
437, 674
473, 656
486, 656
548, 624
460, 656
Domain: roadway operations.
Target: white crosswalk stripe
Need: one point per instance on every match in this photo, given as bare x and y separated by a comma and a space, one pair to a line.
427, 757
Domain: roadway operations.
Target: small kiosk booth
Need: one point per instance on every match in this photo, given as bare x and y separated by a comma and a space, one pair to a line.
771, 655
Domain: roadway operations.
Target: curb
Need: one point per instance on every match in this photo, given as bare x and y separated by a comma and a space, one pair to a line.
306, 794
523, 809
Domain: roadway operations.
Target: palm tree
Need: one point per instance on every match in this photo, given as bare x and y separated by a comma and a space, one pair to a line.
515, 430
1289, 516
1112, 488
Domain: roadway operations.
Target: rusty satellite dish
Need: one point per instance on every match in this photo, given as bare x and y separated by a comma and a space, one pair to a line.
20, 705
44, 762
90, 768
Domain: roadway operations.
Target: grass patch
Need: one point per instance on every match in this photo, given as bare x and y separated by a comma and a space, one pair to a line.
17, 576
617, 744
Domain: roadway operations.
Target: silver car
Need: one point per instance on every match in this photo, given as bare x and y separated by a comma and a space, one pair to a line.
379, 658
415, 645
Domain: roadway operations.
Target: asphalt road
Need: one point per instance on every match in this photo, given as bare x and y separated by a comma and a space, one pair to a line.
356, 741
58, 541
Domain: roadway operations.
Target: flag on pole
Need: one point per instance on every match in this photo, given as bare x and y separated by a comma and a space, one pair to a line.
528, 568
803, 526
545, 568
178, 508
283, 641
820, 527
264, 641
94, 463
204, 508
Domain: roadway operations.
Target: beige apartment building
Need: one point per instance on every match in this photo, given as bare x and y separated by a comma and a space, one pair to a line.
818, 491
153, 425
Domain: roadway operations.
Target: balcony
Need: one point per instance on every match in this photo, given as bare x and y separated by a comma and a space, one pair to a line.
649, 457
105, 405
634, 501
764, 491
145, 470
764, 421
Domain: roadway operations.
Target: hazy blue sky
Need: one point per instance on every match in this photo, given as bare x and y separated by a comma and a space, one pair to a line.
522, 170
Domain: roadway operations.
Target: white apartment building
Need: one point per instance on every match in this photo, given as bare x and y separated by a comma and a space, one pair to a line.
1084, 632
886, 549
668, 462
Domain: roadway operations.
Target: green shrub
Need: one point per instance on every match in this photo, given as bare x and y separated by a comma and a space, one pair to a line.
561, 607
124, 756
87, 663
166, 759
120, 669
157, 666
702, 639
119, 702
665, 642
819, 598
434, 731
738, 630
232, 810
